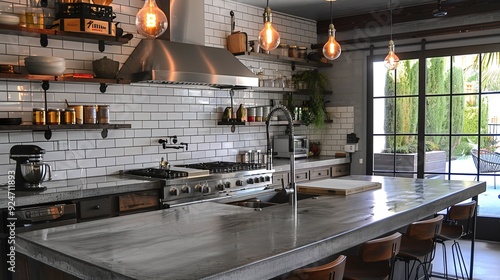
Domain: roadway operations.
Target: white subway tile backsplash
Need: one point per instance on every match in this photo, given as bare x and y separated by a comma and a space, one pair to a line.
153, 110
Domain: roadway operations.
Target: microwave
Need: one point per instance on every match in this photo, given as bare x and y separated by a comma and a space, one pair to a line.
300, 143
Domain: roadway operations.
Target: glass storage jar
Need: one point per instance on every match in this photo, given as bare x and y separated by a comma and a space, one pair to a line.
293, 52
302, 52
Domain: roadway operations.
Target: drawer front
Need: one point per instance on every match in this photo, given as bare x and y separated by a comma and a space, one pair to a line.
280, 179
340, 170
301, 175
96, 207
320, 173
137, 201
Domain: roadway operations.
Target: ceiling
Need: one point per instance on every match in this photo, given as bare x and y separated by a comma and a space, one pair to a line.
320, 9
351, 14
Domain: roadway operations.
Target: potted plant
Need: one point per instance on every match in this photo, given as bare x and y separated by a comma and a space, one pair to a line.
315, 83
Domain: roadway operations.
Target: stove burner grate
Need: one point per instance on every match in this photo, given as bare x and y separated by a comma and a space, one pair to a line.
224, 166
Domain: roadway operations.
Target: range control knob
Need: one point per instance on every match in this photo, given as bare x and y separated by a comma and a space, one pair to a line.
227, 185
206, 189
173, 191
239, 183
199, 188
220, 187
185, 189
268, 178
250, 181
262, 179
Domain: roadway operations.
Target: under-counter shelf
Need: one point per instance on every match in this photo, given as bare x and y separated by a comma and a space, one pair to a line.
285, 59
48, 128
64, 35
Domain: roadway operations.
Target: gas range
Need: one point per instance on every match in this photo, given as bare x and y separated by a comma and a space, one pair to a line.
200, 182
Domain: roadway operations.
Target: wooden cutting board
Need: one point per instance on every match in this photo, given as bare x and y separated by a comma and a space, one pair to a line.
237, 42
336, 187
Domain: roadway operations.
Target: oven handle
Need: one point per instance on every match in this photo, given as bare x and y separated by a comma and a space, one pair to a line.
167, 205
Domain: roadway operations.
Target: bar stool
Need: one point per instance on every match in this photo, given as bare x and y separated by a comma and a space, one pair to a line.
451, 230
331, 271
418, 244
375, 259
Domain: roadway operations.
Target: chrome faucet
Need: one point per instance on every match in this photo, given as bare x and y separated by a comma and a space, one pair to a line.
292, 188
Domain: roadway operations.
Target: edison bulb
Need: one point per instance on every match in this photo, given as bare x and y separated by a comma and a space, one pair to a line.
391, 61
269, 38
332, 49
151, 21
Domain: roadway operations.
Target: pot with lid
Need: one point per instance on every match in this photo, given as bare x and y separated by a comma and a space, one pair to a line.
105, 68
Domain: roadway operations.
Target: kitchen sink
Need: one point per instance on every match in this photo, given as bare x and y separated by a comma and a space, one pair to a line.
268, 199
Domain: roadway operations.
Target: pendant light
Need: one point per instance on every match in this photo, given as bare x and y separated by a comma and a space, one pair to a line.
269, 38
151, 21
391, 61
332, 49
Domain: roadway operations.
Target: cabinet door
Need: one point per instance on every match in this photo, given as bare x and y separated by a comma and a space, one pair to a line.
341, 170
96, 207
320, 173
138, 202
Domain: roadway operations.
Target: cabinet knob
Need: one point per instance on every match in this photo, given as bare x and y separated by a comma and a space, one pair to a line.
97, 207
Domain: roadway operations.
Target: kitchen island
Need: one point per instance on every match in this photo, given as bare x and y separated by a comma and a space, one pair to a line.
219, 241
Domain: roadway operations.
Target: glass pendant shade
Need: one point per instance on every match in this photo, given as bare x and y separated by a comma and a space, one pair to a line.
269, 38
391, 61
332, 49
151, 21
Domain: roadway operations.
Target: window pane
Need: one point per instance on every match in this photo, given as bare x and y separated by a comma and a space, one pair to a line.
489, 109
383, 80
406, 115
437, 73
383, 115
437, 115
461, 160
381, 143
407, 77
465, 74
458, 103
490, 75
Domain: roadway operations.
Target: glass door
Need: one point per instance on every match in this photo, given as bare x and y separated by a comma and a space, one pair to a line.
447, 126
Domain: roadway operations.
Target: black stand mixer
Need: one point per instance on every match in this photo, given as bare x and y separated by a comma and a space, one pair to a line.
30, 168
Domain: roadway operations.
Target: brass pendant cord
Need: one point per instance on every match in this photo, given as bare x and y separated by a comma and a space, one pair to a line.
390, 9
331, 13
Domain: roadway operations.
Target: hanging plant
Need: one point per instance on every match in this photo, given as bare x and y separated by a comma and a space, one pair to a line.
316, 83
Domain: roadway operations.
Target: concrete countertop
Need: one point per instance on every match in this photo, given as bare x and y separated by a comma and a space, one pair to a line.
219, 241
62, 190
283, 164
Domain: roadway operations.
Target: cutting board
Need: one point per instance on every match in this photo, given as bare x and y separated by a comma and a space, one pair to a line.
237, 42
336, 187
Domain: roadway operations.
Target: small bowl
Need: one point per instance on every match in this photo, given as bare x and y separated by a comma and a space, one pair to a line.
105, 68
54, 68
39, 58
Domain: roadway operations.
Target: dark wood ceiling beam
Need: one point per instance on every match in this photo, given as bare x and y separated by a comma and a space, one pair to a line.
402, 15
426, 33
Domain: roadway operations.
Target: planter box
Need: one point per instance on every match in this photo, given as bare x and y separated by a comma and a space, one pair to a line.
435, 161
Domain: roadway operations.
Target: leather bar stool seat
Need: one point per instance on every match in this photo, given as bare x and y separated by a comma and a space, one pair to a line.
331, 271
375, 259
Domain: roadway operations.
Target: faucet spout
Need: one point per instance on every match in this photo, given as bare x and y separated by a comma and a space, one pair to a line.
292, 188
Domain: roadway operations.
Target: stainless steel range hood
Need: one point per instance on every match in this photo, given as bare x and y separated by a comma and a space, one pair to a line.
160, 61
185, 60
